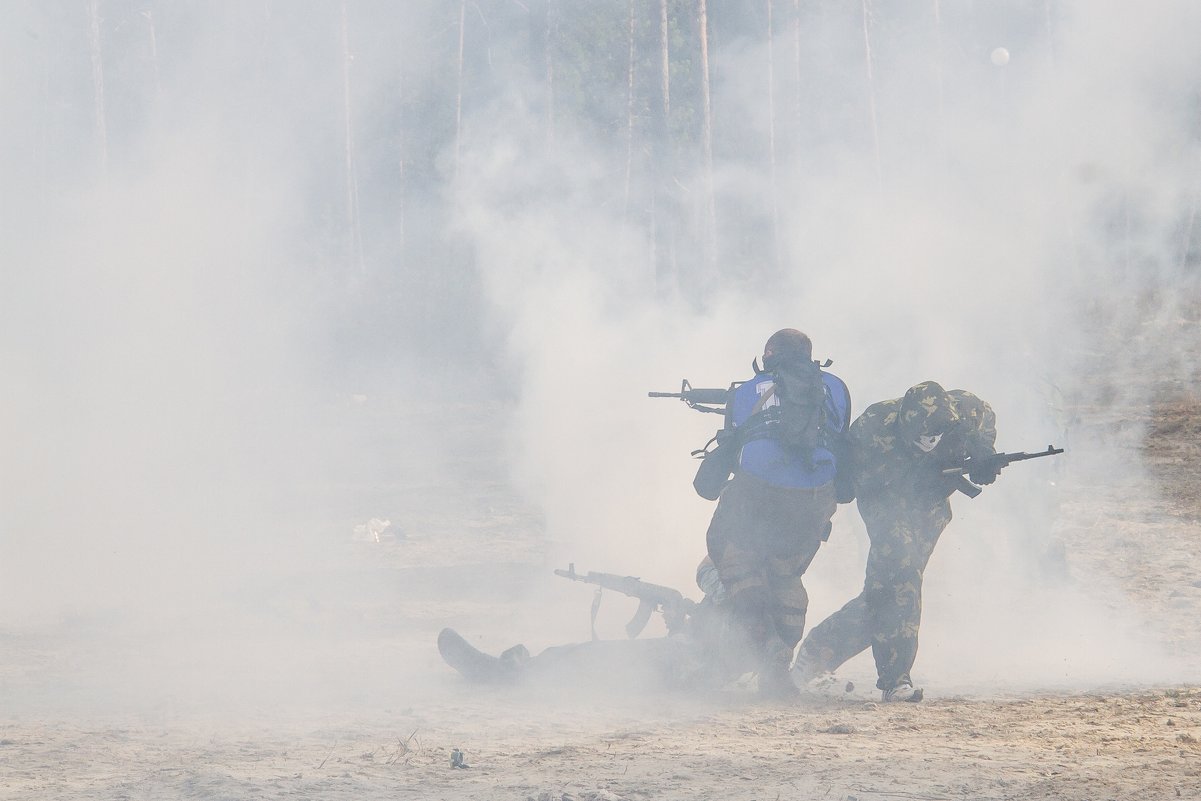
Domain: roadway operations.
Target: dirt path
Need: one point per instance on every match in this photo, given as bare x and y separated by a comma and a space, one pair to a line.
1144, 745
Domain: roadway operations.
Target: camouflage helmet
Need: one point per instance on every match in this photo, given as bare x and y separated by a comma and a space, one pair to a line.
786, 345
926, 410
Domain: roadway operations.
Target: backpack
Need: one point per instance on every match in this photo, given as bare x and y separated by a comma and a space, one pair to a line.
801, 395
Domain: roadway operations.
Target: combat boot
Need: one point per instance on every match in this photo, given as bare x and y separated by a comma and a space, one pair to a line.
905, 691
775, 679
477, 665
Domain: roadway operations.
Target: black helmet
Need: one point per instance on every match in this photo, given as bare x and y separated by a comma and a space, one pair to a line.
787, 345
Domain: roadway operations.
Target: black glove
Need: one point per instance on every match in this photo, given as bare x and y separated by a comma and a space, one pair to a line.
983, 474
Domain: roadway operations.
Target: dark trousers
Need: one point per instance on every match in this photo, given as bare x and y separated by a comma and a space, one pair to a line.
762, 539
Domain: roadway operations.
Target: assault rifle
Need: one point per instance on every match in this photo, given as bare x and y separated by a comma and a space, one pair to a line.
996, 462
713, 401
651, 597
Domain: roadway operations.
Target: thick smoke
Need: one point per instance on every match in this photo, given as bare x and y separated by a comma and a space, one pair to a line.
1015, 229
274, 269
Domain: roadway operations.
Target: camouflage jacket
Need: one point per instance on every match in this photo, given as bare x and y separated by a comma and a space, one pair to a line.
889, 468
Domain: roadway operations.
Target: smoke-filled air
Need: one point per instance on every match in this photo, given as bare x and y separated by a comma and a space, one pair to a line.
328, 325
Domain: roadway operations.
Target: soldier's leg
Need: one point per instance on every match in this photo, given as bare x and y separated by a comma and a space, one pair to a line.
742, 568
613, 665
794, 530
835, 640
900, 550
790, 601
476, 665
806, 523
747, 593
751, 605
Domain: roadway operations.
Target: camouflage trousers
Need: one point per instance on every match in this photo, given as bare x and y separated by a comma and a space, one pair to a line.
762, 539
887, 614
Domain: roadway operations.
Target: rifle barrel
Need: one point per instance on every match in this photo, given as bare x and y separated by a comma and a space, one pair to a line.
1001, 459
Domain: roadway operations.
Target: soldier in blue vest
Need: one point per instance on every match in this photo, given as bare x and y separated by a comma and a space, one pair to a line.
899, 448
772, 516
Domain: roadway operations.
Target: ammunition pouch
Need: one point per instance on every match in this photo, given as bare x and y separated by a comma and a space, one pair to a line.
717, 465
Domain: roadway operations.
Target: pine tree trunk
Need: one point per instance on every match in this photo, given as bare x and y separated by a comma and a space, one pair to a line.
871, 94
552, 26
662, 219
354, 235
1187, 248
771, 137
459, 87
940, 137
710, 198
797, 71
158, 84
401, 165
1050, 31
665, 60
938, 62
98, 85
629, 113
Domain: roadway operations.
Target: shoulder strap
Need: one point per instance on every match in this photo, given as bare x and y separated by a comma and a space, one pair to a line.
759, 404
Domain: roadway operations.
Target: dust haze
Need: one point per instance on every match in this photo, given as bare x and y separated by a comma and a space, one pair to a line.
272, 270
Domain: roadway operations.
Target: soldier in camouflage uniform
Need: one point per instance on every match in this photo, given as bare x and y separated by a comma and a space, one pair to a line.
703, 653
900, 448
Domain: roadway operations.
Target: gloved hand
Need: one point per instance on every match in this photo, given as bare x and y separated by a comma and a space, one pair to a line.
983, 474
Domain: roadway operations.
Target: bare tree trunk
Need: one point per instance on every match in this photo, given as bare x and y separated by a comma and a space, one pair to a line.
629, 113
352, 186
1187, 248
158, 84
710, 192
401, 165
797, 71
98, 85
665, 60
1127, 231
771, 137
41, 143
459, 87
871, 93
1050, 31
662, 219
938, 63
940, 137
552, 27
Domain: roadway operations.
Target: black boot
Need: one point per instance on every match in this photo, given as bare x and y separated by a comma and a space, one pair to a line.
476, 665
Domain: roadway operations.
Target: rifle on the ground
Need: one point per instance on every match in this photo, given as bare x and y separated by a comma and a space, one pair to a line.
651, 597
996, 461
713, 401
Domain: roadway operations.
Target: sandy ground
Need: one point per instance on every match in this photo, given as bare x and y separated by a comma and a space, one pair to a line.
125, 711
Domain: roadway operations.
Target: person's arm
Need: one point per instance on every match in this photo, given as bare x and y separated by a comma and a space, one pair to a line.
874, 460
980, 434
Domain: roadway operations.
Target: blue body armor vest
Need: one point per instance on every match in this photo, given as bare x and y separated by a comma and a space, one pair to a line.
766, 458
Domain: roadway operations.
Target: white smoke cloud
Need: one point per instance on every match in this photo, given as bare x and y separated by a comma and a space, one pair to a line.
184, 333
1015, 212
